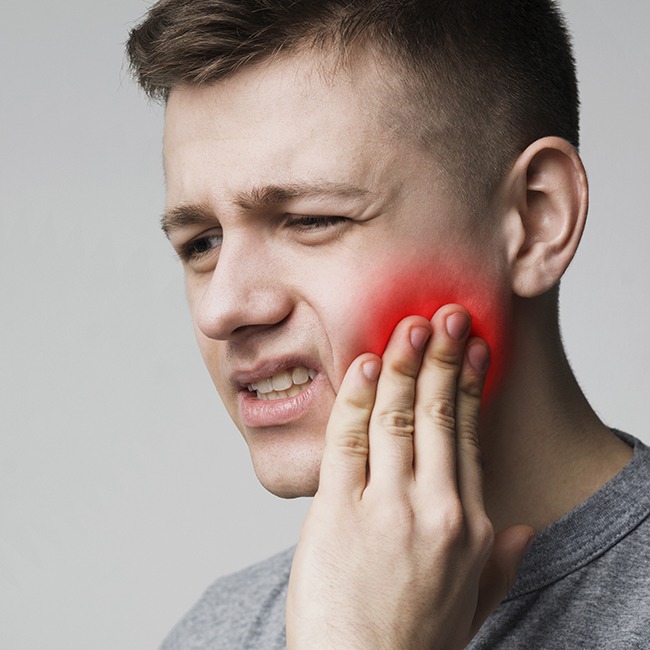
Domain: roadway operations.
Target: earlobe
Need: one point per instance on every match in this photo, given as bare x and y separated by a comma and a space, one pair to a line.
548, 202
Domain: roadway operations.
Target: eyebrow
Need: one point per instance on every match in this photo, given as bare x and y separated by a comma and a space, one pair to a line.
181, 216
258, 198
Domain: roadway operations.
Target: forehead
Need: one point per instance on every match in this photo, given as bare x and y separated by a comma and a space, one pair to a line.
303, 76
291, 120
299, 97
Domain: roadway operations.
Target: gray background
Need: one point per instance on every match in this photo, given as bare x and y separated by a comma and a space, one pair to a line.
124, 489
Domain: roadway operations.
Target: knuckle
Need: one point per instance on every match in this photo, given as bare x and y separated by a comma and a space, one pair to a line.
357, 404
452, 522
404, 367
468, 441
472, 386
398, 519
484, 533
446, 523
354, 442
447, 359
481, 539
352, 410
443, 412
397, 422
468, 415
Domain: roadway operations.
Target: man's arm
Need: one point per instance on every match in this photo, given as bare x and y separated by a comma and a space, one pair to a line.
397, 550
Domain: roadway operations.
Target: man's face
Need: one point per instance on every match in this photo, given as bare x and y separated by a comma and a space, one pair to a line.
308, 229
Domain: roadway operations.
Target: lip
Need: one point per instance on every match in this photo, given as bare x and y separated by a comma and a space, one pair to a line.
257, 413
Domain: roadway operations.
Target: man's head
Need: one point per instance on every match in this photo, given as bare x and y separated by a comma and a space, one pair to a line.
479, 81
320, 187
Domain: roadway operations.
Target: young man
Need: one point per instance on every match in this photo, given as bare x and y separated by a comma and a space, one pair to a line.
374, 203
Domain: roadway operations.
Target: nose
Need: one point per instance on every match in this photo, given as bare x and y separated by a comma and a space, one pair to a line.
247, 292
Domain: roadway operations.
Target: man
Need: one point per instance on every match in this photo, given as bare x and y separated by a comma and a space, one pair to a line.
374, 203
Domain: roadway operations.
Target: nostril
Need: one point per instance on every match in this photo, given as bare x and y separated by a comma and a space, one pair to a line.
233, 307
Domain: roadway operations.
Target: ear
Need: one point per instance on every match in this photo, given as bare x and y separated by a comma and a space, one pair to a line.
547, 201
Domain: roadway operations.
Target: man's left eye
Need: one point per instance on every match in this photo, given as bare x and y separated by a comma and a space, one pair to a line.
305, 223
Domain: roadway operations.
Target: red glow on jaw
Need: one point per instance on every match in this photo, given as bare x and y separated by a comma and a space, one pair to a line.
405, 294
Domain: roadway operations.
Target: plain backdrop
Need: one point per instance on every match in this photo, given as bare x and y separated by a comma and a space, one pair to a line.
124, 488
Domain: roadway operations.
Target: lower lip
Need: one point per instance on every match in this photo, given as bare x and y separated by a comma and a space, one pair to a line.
272, 413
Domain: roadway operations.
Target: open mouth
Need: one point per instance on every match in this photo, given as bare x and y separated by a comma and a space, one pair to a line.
288, 383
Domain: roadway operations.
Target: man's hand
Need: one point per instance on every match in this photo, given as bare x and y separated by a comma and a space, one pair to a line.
397, 551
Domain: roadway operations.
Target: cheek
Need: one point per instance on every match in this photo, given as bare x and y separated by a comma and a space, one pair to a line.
391, 295
213, 353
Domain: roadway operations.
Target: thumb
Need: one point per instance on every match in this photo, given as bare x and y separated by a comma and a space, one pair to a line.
500, 571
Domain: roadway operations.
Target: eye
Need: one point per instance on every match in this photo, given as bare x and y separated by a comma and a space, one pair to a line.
308, 223
200, 247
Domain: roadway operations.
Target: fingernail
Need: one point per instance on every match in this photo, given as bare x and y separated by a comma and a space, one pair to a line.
371, 369
457, 325
419, 336
478, 356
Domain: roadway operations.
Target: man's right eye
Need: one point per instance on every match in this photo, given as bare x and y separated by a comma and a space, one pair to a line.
200, 247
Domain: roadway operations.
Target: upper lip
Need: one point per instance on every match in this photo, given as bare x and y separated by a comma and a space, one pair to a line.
243, 377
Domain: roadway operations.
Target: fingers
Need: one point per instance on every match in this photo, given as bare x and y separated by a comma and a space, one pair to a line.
401, 492
345, 456
418, 418
438, 401
468, 405
392, 422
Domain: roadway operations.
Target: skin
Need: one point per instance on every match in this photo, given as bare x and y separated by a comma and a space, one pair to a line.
420, 566
328, 292
399, 548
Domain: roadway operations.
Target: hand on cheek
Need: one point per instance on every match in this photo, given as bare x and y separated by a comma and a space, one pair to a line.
405, 292
396, 540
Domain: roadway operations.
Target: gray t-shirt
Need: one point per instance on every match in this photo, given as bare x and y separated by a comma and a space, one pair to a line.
585, 583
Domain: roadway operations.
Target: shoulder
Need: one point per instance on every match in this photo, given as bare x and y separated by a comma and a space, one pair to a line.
258, 578
238, 610
586, 581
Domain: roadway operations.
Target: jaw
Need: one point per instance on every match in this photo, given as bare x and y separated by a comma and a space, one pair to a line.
287, 463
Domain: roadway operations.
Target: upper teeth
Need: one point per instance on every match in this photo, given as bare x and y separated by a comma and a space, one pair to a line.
283, 380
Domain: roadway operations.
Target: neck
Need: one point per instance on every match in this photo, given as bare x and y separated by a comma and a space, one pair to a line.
544, 448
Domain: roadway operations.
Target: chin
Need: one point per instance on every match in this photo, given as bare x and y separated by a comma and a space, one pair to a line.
288, 473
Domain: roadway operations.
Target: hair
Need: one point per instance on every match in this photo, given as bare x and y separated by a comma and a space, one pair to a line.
484, 79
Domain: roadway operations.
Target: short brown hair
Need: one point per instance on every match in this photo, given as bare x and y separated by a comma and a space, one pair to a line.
487, 77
